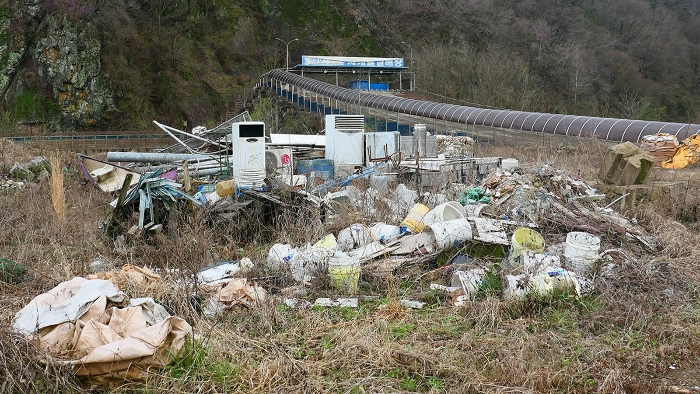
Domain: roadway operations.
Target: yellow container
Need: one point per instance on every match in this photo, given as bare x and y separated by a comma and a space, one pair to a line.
344, 273
225, 188
414, 219
524, 239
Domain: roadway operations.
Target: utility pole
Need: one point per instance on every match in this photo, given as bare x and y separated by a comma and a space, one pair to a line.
286, 43
410, 65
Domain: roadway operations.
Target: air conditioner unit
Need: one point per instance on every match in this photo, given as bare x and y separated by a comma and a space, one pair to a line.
278, 163
345, 142
248, 153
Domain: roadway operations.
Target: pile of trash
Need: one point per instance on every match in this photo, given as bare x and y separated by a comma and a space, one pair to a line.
454, 145
668, 153
548, 197
506, 211
152, 188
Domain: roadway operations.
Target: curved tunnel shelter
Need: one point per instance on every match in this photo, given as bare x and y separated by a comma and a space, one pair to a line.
610, 129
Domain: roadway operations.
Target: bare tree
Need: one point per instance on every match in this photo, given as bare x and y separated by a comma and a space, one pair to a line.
576, 58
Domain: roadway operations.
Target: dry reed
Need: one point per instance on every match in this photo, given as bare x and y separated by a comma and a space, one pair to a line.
58, 195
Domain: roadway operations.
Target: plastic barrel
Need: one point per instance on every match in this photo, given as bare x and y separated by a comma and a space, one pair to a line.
354, 236
414, 219
444, 212
344, 273
524, 239
450, 233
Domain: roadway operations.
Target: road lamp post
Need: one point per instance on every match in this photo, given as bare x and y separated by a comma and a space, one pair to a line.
286, 43
410, 64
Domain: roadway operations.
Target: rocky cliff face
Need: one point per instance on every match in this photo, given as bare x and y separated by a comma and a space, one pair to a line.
67, 58
51, 68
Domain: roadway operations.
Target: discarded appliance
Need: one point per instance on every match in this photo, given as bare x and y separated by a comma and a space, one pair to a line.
279, 163
248, 154
345, 142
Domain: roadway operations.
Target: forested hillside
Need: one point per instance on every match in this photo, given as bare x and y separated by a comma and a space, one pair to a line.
118, 64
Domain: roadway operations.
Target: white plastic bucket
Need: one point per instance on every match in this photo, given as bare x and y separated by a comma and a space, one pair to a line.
581, 252
383, 232
581, 245
450, 233
444, 212
344, 273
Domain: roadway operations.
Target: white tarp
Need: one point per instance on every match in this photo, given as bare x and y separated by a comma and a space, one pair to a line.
66, 302
74, 323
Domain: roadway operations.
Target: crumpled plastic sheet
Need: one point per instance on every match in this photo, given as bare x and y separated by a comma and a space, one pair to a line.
235, 292
72, 321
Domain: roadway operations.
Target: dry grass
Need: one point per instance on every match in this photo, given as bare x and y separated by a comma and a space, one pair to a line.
58, 195
22, 369
637, 333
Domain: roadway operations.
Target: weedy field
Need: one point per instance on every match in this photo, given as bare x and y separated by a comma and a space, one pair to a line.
637, 332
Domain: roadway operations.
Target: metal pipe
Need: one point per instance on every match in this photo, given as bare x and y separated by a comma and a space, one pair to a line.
148, 157
198, 138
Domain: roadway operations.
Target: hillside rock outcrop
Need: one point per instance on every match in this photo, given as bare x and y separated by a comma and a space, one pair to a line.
51, 67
